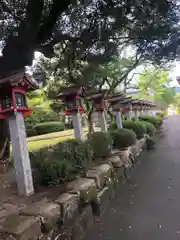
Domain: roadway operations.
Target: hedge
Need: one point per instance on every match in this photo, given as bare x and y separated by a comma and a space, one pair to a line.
48, 127
123, 138
101, 143
61, 162
139, 128
156, 121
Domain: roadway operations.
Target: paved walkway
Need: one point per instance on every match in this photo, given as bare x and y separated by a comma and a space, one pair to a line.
148, 206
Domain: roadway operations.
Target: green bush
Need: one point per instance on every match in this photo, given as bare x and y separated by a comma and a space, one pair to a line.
123, 138
113, 126
61, 162
48, 127
137, 127
160, 114
156, 121
101, 143
151, 130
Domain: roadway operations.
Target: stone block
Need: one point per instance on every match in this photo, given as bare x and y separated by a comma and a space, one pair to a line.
115, 152
69, 204
85, 188
135, 149
21, 228
120, 174
104, 198
127, 171
124, 155
49, 212
115, 161
101, 174
83, 224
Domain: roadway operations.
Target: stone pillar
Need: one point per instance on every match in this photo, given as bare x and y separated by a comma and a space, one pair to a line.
21, 155
129, 113
136, 115
119, 119
76, 120
102, 121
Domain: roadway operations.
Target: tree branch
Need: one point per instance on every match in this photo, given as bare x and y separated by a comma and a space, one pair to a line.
45, 31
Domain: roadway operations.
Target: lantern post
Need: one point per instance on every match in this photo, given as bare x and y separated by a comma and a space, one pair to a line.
100, 105
115, 102
71, 99
127, 107
135, 104
14, 108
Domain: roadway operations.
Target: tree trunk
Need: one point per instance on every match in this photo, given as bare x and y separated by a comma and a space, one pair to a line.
4, 143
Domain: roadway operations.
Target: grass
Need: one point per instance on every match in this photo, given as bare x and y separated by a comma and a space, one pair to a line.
34, 146
38, 142
53, 135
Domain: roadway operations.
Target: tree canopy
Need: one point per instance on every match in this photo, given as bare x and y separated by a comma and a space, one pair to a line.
91, 31
153, 85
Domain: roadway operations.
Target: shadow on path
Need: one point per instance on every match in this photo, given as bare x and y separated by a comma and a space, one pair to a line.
147, 207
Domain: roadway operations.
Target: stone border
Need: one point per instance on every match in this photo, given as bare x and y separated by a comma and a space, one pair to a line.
73, 213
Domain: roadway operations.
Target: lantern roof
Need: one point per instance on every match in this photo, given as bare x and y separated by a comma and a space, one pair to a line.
19, 79
126, 100
116, 98
72, 90
91, 94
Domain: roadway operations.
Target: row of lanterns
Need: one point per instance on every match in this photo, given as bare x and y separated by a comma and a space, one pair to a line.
14, 99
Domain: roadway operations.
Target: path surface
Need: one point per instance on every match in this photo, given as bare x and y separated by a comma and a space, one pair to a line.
148, 206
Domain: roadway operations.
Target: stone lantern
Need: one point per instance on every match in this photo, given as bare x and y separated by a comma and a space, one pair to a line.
136, 108
100, 105
127, 107
71, 99
115, 102
13, 107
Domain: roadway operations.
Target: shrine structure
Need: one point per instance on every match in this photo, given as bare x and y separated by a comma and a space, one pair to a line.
13, 108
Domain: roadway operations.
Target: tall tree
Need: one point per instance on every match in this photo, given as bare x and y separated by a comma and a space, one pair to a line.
153, 84
88, 29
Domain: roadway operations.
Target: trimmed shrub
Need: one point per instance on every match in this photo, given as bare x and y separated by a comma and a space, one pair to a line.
137, 127
156, 121
48, 127
151, 130
112, 126
123, 138
61, 162
101, 143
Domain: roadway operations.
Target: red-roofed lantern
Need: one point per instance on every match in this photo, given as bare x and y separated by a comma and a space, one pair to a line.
100, 105
13, 107
115, 103
71, 98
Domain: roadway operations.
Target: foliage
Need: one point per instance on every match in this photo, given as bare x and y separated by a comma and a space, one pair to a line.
150, 143
48, 127
177, 102
112, 126
137, 127
123, 138
91, 30
101, 143
156, 121
153, 84
151, 130
61, 162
